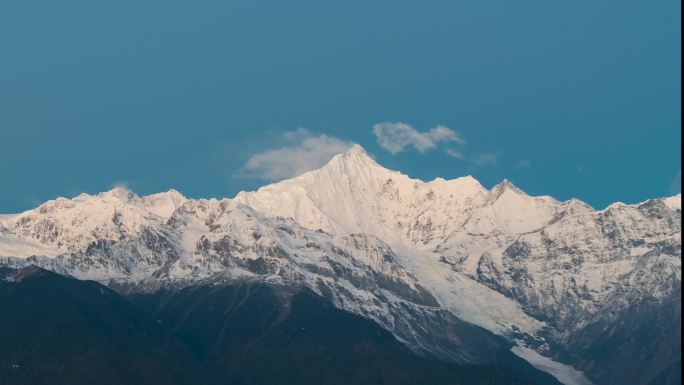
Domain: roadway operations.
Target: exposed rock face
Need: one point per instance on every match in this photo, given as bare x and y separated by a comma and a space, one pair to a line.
426, 260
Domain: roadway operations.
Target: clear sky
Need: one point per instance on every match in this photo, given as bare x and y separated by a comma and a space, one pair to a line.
566, 98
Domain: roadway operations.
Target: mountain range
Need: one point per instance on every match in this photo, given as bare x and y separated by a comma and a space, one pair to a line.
446, 276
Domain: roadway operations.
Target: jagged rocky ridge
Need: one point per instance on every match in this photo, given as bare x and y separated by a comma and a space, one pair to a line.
429, 261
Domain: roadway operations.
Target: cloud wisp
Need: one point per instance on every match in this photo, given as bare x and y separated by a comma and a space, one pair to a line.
454, 154
521, 164
304, 151
486, 159
396, 136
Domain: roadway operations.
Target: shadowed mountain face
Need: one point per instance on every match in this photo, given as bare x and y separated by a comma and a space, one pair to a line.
259, 333
61, 330
57, 330
641, 345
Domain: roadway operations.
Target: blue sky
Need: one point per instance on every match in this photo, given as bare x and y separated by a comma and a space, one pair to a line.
567, 98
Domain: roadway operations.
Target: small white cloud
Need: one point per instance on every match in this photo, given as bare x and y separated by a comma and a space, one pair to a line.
297, 135
305, 152
521, 164
486, 159
395, 137
453, 153
444, 134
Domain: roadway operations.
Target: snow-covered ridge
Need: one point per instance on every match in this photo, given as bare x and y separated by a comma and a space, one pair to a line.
71, 225
376, 242
489, 235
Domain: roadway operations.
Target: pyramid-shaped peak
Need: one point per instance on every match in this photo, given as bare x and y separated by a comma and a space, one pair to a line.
467, 179
173, 194
467, 182
356, 152
501, 188
165, 203
574, 205
674, 202
355, 157
507, 185
357, 149
82, 197
118, 192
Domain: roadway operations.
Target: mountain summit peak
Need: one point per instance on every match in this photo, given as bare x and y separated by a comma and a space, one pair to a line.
356, 149
505, 185
355, 152
121, 193
355, 158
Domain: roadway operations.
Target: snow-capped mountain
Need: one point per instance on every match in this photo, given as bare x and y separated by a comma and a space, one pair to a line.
560, 260
437, 263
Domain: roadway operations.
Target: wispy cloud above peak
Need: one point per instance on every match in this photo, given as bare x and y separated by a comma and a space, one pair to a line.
486, 159
303, 151
454, 154
521, 164
396, 136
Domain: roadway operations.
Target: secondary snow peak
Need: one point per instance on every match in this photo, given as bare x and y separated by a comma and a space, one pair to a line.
119, 193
